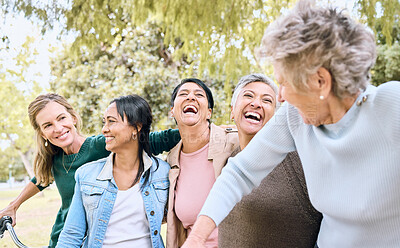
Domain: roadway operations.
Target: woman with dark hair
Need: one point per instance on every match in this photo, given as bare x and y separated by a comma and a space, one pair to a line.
119, 201
62, 149
196, 161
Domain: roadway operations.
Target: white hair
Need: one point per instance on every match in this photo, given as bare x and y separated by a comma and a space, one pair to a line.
310, 37
251, 78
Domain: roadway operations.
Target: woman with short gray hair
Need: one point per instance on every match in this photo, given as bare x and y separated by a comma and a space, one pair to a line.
251, 78
277, 213
346, 132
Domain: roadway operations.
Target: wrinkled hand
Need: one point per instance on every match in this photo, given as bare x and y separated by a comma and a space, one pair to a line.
9, 211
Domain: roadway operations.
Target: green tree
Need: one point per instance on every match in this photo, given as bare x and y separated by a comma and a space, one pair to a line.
383, 17
134, 64
387, 67
17, 90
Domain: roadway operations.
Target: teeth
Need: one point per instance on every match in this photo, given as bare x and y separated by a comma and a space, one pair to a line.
190, 107
62, 136
109, 138
252, 114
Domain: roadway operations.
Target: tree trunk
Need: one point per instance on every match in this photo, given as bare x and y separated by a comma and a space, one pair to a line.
27, 164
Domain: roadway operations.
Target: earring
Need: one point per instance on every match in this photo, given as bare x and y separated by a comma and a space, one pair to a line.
321, 97
45, 143
134, 137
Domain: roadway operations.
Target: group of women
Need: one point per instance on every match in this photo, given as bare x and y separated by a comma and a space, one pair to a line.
335, 133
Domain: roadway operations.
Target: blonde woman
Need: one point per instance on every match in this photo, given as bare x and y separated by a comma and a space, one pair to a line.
61, 150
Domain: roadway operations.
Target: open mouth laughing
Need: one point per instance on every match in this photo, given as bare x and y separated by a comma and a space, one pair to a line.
190, 109
253, 117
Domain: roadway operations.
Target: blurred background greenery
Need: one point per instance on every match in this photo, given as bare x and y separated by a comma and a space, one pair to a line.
120, 47
117, 47
35, 217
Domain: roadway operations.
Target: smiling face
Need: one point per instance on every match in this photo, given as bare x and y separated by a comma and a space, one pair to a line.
191, 105
254, 106
57, 125
118, 132
311, 108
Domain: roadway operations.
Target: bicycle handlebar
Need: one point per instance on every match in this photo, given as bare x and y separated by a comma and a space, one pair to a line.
6, 224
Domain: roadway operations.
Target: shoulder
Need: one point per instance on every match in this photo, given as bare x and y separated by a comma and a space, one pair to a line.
223, 135
163, 167
96, 140
384, 104
383, 101
90, 168
386, 93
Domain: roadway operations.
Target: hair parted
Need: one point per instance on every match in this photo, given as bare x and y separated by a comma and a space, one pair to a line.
43, 160
200, 83
251, 78
137, 112
310, 37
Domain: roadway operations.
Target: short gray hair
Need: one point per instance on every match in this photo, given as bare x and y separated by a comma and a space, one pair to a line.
251, 78
310, 37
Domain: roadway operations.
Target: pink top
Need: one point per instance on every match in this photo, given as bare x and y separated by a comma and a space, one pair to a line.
195, 181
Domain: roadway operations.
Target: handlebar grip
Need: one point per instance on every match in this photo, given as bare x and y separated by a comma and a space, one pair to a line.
3, 224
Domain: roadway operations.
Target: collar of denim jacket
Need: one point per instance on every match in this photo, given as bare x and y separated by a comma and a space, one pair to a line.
107, 172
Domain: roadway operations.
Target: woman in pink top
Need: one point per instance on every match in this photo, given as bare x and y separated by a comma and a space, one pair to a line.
196, 161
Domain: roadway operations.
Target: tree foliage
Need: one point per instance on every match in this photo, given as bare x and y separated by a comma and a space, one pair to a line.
130, 65
18, 88
387, 67
138, 63
383, 17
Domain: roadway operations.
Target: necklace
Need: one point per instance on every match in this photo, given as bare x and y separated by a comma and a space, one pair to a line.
70, 164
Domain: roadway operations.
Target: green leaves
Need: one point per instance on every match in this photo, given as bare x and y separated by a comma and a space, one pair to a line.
387, 65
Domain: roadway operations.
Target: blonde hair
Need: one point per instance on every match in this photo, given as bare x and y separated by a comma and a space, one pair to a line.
43, 162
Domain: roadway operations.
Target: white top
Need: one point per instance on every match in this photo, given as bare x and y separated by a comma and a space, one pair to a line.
128, 214
352, 169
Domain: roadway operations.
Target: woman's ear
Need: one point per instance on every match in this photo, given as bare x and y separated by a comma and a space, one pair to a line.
138, 128
232, 114
324, 82
209, 114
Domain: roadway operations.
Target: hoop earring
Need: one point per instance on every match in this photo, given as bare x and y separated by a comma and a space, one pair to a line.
134, 136
45, 143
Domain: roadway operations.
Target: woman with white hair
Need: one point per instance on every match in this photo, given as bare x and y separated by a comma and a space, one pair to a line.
277, 213
346, 132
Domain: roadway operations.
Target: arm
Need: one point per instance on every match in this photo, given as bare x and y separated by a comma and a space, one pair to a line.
29, 190
244, 172
75, 226
163, 141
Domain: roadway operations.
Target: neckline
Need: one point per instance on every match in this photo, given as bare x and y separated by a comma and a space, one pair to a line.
195, 152
346, 120
68, 158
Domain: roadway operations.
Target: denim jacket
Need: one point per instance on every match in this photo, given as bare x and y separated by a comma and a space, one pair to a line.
94, 197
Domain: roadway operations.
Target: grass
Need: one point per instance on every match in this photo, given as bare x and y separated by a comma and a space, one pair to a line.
36, 217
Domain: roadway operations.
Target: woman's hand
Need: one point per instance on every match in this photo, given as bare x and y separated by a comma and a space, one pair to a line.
11, 211
202, 228
192, 242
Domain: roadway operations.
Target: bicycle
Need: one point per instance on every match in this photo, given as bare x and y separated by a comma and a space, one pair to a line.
6, 224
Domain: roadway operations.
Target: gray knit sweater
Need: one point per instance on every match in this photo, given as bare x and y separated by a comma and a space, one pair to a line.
276, 214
